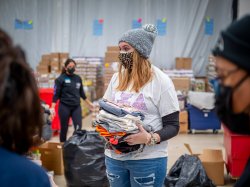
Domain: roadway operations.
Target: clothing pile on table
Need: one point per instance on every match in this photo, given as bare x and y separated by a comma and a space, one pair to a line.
115, 122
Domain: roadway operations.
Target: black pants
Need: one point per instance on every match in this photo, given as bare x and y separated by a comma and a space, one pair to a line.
65, 112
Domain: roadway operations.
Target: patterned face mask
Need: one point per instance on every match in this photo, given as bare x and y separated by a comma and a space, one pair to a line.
126, 59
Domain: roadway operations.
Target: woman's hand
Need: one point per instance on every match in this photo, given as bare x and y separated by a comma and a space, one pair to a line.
142, 137
90, 105
52, 113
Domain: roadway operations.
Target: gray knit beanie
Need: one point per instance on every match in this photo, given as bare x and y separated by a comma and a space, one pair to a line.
141, 39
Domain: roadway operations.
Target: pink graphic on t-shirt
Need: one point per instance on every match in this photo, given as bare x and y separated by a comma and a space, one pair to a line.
125, 98
140, 103
113, 96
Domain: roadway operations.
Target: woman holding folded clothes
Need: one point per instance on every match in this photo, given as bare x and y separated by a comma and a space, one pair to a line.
144, 87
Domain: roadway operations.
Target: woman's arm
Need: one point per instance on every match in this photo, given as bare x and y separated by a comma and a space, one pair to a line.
170, 127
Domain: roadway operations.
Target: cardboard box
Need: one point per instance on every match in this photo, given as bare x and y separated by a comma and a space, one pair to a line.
213, 163
63, 55
46, 57
54, 57
111, 56
45, 62
181, 83
42, 68
113, 48
52, 158
183, 120
183, 63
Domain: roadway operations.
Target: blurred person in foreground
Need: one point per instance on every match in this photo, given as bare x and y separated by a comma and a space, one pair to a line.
20, 119
232, 85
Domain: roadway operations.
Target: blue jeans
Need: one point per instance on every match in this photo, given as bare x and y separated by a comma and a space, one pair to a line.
135, 173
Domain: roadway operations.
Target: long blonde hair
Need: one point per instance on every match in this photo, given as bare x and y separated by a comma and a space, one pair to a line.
137, 77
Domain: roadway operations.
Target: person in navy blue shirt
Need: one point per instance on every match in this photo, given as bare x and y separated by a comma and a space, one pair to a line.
20, 119
69, 90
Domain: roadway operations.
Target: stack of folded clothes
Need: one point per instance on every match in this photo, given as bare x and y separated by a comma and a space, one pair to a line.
115, 122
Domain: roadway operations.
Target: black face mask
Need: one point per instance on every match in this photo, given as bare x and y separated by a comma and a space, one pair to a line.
237, 123
71, 70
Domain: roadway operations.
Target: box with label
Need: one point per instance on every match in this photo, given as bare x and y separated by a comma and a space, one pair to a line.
51, 157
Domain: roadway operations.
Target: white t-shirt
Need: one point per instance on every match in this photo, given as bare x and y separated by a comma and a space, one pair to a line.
156, 99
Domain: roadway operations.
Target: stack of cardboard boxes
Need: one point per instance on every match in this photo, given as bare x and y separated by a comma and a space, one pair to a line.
183, 85
183, 63
52, 62
49, 69
90, 70
43, 66
184, 81
110, 64
62, 58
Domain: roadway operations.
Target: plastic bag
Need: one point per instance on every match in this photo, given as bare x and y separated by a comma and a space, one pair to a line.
188, 172
47, 131
84, 160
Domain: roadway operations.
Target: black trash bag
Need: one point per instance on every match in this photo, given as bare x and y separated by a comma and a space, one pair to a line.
47, 131
84, 161
188, 172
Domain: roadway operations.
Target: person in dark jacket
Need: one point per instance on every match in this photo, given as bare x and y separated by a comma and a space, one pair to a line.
69, 89
21, 119
232, 86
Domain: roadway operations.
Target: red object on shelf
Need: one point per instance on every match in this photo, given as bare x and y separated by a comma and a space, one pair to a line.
46, 94
237, 147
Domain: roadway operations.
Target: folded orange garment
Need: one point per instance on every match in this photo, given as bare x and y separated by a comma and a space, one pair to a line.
111, 137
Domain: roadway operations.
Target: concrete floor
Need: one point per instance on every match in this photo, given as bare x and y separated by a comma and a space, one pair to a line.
198, 141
